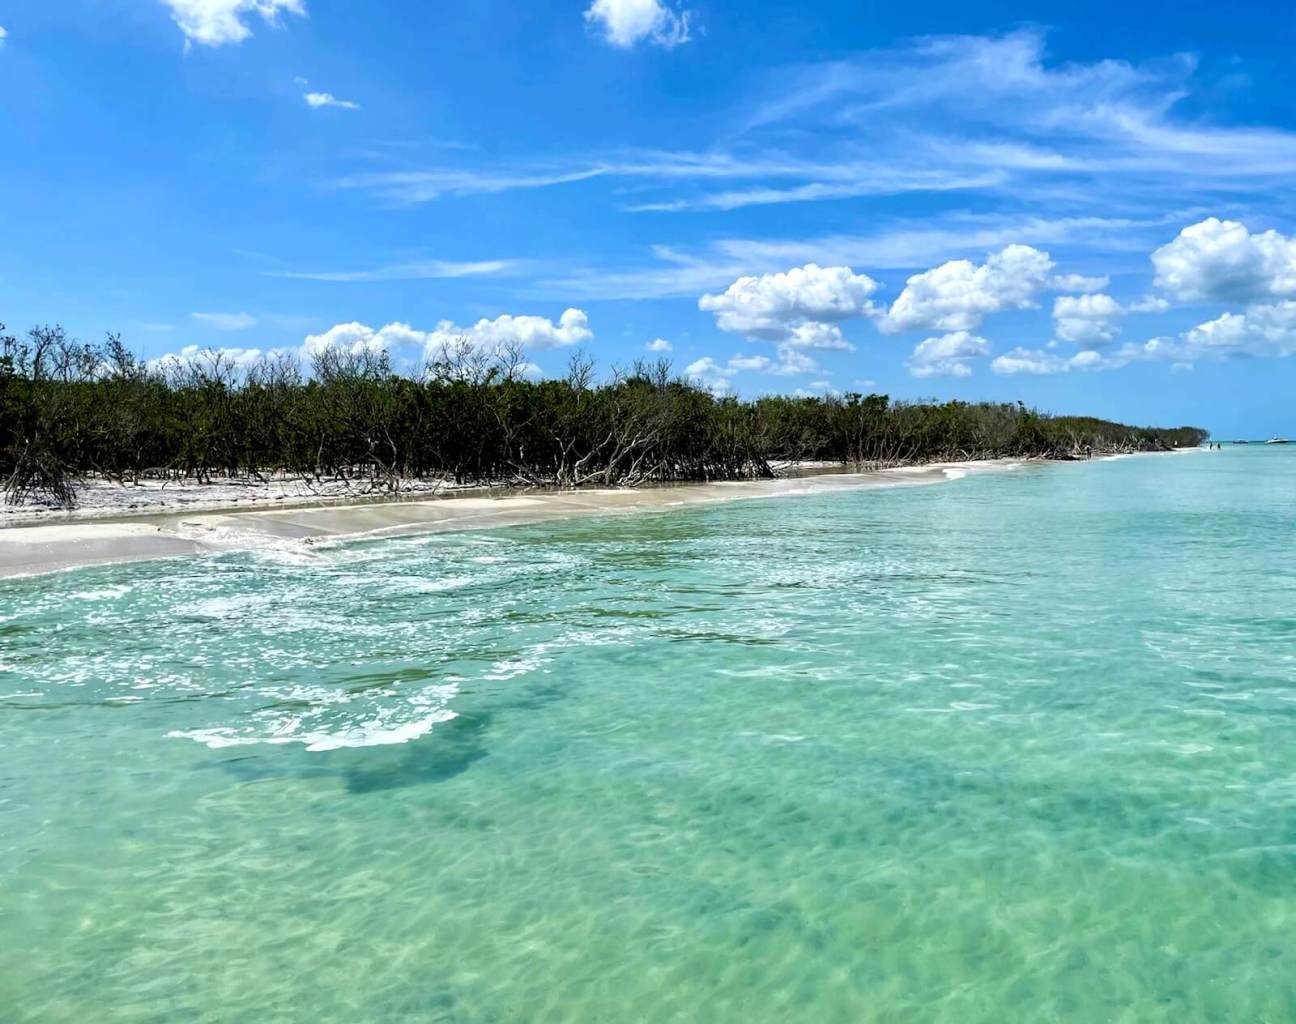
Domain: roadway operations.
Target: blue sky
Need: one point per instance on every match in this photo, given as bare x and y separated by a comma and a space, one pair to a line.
1091, 214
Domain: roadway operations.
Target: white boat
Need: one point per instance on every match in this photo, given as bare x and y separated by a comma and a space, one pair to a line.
1277, 440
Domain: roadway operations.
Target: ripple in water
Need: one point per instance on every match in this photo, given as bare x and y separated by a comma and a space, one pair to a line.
1012, 748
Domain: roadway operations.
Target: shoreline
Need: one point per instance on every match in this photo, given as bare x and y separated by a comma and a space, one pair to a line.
105, 538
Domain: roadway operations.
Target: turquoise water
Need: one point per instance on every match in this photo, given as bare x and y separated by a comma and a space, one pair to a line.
1011, 748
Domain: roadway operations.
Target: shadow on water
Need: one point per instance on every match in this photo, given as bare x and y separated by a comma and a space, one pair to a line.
451, 749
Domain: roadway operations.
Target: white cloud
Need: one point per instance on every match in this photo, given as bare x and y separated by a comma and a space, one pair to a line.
712, 376
3, 35
1108, 118
326, 99
1039, 362
193, 355
800, 308
422, 186
226, 321
219, 22
717, 377
910, 244
1263, 330
1030, 361
1088, 320
992, 114
624, 23
1079, 283
1149, 304
816, 389
947, 356
792, 362
356, 338
1221, 259
814, 335
424, 270
957, 295
871, 181
528, 332
659, 345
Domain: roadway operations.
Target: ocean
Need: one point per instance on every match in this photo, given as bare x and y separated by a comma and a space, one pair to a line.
1014, 747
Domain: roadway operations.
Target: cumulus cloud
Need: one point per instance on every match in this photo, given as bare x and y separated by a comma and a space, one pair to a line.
316, 100
225, 358
1263, 330
226, 321
958, 295
659, 345
3, 35
717, 377
816, 389
357, 338
528, 332
792, 362
1221, 259
947, 356
1149, 304
625, 23
1088, 320
1036, 362
711, 375
800, 307
220, 22
817, 336
1040, 362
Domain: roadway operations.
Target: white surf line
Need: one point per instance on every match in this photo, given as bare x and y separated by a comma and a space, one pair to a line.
33, 550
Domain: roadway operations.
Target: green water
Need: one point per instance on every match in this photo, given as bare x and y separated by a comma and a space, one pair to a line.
1012, 748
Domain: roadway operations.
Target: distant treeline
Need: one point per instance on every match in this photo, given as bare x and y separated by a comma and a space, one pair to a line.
70, 410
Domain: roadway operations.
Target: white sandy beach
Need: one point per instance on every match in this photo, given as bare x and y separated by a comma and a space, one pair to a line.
146, 523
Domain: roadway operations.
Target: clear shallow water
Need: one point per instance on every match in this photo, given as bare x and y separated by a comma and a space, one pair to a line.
1010, 748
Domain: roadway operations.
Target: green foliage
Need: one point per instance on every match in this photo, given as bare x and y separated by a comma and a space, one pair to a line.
68, 410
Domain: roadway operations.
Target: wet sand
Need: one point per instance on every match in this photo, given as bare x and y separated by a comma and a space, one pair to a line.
27, 550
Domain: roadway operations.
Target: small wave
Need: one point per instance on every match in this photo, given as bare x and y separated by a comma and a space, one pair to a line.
328, 723
102, 594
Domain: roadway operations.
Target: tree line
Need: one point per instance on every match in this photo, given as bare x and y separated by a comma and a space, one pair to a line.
71, 410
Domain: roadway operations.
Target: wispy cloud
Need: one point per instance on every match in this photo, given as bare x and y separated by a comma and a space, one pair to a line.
986, 114
421, 186
226, 321
316, 100
903, 245
875, 182
421, 270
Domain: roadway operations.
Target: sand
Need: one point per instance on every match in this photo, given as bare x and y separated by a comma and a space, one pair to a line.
95, 534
